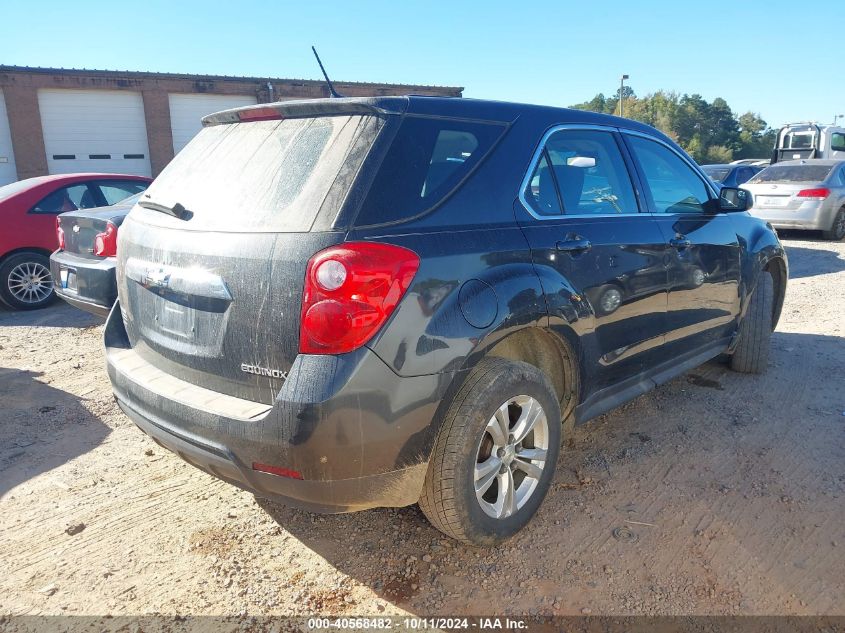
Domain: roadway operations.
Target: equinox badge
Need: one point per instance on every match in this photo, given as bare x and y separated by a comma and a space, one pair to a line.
263, 371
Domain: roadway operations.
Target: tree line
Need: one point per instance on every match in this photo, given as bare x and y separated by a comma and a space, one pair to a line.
709, 131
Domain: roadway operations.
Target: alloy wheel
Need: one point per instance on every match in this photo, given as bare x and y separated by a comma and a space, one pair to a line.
511, 456
30, 282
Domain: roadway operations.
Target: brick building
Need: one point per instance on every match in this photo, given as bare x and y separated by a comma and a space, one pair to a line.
60, 121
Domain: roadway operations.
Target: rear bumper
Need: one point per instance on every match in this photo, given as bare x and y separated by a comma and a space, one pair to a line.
811, 216
96, 287
358, 434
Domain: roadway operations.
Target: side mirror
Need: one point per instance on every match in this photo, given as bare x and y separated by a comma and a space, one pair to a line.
732, 199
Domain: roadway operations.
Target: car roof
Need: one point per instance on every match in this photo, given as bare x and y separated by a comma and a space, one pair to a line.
37, 181
457, 107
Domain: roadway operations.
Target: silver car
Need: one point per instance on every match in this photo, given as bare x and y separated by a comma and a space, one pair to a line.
801, 194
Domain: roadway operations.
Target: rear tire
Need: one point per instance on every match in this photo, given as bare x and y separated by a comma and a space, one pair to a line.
484, 483
26, 282
837, 228
751, 355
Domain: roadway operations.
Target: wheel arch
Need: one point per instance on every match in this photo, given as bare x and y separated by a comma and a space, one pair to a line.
777, 268
25, 249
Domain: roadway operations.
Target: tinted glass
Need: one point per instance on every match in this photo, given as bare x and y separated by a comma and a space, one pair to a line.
837, 142
70, 198
589, 172
674, 186
541, 191
427, 159
717, 173
261, 175
792, 173
115, 191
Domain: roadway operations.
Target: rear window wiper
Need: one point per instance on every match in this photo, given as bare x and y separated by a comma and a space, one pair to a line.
176, 209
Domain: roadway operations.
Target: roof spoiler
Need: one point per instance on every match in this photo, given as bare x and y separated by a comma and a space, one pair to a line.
310, 108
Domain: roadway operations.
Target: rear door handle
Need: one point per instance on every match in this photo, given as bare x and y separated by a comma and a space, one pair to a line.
680, 242
574, 245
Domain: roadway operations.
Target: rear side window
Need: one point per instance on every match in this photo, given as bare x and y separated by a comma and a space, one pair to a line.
792, 173
427, 159
71, 198
116, 190
263, 176
837, 142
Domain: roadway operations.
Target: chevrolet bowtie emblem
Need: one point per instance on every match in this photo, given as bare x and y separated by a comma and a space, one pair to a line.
158, 278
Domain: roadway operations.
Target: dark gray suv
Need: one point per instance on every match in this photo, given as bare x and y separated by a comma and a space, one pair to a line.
350, 303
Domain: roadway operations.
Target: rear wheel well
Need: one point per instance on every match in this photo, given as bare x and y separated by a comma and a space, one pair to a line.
554, 357
25, 249
777, 269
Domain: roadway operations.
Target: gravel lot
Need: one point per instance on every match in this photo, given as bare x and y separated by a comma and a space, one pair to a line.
718, 493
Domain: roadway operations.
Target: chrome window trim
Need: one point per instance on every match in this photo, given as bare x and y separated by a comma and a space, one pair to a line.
535, 159
694, 166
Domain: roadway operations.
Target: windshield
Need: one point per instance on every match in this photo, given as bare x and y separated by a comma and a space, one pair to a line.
792, 173
719, 174
264, 176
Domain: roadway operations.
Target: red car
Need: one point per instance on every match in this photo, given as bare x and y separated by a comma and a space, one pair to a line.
28, 211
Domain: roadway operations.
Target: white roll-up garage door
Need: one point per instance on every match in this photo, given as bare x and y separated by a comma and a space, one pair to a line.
187, 111
94, 130
8, 172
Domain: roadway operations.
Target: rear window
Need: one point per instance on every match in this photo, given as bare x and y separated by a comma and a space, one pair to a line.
264, 176
792, 173
798, 140
717, 173
427, 159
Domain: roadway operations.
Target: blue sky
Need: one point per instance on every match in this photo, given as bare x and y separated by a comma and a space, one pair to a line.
753, 54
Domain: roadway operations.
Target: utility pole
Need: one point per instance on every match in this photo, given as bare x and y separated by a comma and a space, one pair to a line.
622, 95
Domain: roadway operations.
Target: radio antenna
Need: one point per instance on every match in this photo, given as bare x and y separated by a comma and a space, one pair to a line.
334, 93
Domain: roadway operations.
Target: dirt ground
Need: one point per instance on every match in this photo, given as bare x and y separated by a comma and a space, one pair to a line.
718, 493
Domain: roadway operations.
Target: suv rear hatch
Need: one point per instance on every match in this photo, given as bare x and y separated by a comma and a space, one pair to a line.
214, 296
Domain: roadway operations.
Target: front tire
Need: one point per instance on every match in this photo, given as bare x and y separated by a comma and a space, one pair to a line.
751, 355
495, 454
837, 229
26, 282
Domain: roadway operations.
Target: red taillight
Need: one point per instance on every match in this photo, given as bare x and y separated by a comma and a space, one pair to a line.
281, 471
350, 291
260, 114
819, 194
60, 234
105, 244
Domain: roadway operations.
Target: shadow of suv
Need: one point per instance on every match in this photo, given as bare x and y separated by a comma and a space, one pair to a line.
349, 303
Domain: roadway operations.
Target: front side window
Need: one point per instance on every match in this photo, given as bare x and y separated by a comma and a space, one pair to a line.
70, 198
116, 190
837, 142
673, 185
581, 172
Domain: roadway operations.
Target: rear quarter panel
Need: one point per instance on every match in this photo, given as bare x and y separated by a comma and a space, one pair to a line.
23, 230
